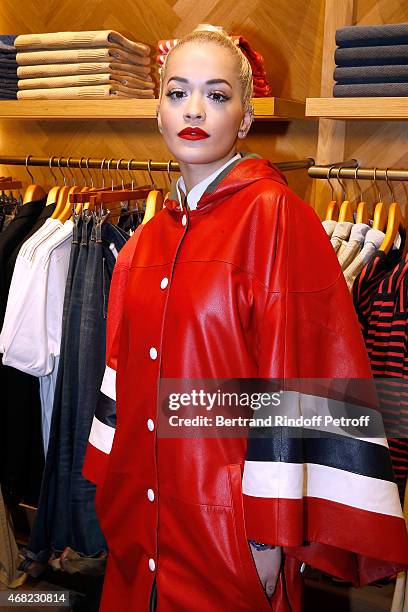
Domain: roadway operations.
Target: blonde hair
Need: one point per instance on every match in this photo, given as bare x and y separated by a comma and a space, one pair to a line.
205, 33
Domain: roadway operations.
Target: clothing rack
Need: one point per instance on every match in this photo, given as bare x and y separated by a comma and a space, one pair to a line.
123, 164
351, 170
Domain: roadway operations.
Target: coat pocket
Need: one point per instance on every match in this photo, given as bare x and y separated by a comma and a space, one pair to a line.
253, 583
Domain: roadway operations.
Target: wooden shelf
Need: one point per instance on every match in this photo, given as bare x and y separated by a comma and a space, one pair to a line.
278, 109
357, 108
266, 109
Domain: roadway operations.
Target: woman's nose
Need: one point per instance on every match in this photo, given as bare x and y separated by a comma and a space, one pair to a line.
194, 109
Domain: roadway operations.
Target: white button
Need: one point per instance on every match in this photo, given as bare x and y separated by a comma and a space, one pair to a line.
184, 220
150, 425
152, 565
153, 353
164, 282
150, 494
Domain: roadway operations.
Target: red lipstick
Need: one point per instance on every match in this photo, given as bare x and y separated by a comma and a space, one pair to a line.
191, 133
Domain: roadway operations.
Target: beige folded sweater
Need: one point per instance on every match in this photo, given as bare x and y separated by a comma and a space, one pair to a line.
76, 40
114, 90
69, 56
79, 80
54, 70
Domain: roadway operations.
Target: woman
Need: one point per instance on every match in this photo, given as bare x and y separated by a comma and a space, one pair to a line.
234, 278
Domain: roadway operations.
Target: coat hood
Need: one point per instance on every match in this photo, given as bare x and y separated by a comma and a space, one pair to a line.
238, 175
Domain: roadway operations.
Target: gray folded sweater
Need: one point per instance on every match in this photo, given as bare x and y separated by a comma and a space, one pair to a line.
368, 90
371, 74
366, 36
372, 56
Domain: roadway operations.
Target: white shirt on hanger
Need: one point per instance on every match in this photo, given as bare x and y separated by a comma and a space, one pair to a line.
31, 336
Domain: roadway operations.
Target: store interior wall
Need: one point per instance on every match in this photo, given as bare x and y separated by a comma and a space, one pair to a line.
288, 34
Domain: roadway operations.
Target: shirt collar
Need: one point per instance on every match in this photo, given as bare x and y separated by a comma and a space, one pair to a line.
198, 190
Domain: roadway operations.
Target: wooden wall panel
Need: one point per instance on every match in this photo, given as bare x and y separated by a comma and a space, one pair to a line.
331, 136
381, 11
288, 34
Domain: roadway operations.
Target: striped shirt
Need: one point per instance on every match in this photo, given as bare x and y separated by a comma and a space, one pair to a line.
381, 299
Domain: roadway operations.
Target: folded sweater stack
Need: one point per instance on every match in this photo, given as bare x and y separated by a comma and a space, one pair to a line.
79, 65
371, 61
262, 88
8, 68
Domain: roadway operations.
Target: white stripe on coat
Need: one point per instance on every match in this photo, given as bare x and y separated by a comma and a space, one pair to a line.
108, 386
294, 405
270, 479
101, 436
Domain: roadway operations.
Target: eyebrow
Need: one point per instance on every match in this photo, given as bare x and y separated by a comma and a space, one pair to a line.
210, 82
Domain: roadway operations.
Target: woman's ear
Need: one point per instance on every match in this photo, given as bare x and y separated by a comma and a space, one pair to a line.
159, 123
246, 121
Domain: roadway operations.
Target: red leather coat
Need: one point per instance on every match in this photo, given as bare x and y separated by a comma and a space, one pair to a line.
245, 286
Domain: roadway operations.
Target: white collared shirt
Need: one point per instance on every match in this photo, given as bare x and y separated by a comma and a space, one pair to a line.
30, 339
194, 195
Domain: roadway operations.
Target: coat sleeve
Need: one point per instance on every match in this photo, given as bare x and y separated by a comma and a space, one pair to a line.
331, 501
104, 422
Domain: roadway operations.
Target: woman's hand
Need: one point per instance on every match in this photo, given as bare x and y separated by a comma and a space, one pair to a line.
268, 564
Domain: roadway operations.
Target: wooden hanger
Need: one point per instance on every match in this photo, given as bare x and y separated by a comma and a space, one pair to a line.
84, 190
78, 207
66, 213
83, 195
380, 216
346, 212
54, 191
167, 196
88, 203
52, 196
394, 222
154, 202
120, 195
332, 210
8, 185
346, 207
33, 192
115, 211
154, 197
380, 211
63, 209
62, 194
362, 215
61, 202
